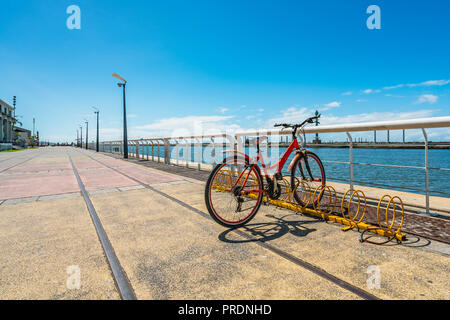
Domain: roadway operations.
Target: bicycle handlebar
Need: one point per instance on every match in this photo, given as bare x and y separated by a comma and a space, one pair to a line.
287, 125
281, 125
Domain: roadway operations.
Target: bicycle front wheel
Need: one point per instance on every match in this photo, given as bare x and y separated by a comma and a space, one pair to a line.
308, 169
234, 192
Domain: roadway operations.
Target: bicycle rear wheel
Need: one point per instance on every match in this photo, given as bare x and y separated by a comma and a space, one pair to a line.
234, 192
308, 169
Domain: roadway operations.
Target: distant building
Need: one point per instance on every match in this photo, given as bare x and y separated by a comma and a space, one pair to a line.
7, 122
21, 137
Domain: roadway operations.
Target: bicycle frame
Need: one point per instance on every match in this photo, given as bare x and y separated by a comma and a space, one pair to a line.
280, 164
259, 158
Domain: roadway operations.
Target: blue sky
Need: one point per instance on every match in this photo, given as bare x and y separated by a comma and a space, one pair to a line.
223, 64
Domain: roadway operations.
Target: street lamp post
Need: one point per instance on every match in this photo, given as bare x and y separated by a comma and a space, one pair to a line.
87, 141
125, 137
81, 136
97, 113
78, 138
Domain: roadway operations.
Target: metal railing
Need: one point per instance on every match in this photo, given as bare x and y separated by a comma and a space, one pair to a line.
141, 147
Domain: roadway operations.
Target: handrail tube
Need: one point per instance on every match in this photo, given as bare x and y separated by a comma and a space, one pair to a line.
434, 122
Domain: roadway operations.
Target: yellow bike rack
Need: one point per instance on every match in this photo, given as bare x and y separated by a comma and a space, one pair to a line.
354, 218
391, 228
314, 199
317, 199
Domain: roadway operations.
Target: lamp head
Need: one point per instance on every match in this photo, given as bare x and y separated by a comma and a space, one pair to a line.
119, 77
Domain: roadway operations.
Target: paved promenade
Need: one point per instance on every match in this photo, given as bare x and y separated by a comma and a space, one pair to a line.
155, 225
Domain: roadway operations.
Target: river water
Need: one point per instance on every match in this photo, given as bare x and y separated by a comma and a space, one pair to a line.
404, 179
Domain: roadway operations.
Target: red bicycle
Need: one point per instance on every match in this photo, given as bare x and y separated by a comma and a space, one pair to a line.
235, 188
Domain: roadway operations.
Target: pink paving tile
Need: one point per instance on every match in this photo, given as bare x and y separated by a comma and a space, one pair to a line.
87, 164
4, 165
103, 178
115, 162
20, 185
148, 176
41, 166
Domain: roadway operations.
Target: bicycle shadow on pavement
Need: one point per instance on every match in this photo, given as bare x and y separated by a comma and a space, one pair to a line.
267, 231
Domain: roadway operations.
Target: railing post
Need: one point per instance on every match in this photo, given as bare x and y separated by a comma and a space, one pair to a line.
159, 153
351, 159
199, 153
137, 150
213, 152
166, 151
153, 151
239, 146
187, 155
427, 181
177, 150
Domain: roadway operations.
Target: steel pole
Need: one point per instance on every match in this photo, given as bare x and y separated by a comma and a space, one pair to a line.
97, 132
125, 136
350, 139
87, 141
427, 169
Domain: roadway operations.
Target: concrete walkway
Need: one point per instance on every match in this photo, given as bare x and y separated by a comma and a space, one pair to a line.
170, 249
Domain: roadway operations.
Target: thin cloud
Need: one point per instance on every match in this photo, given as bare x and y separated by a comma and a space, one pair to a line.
186, 126
293, 114
394, 87
333, 104
430, 83
427, 98
367, 91
328, 106
376, 116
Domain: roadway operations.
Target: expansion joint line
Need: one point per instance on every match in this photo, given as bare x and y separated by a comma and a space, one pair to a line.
120, 278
